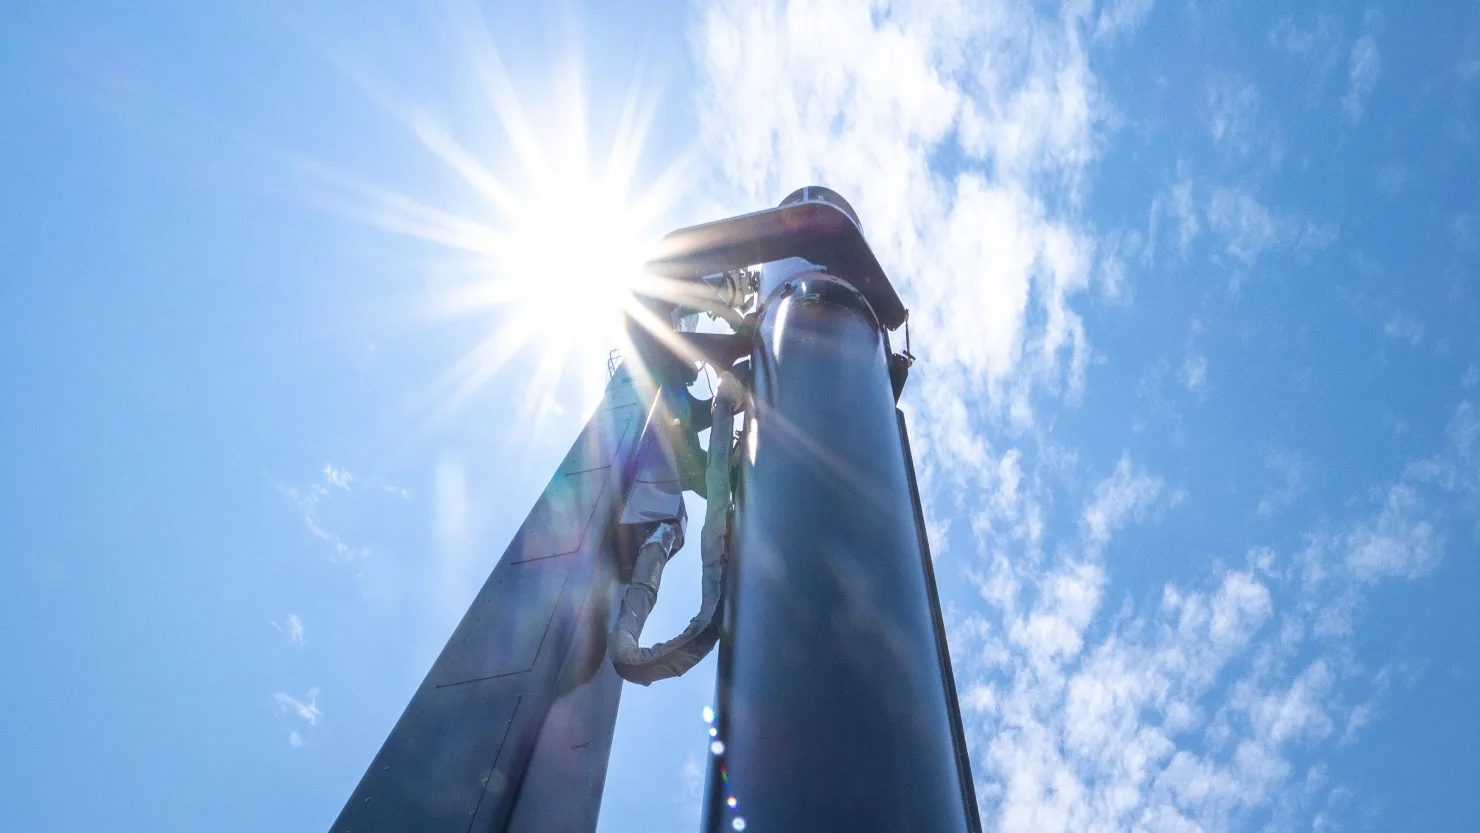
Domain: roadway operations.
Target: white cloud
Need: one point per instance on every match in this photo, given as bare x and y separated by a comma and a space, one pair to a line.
307, 499
1080, 733
1119, 16
1404, 328
1195, 373
1463, 431
1243, 228
1291, 482
295, 740
1122, 497
1208, 711
1317, 41
860, 98
292, 627
1293, 713
1465, 229
691, 787
309, 710
1112, 277
1361, 78
1208, 708
1467, 68
1318, 45
311, 500
1186, 214
1248, 227
1231, 105
1400, 542
1316, 236
337, 477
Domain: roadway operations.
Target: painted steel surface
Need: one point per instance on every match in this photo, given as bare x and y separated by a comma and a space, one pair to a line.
833, 708
511, 729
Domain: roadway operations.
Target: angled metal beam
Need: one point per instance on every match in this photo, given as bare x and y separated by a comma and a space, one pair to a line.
521, 704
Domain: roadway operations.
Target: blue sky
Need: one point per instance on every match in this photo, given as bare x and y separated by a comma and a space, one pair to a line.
1194, 287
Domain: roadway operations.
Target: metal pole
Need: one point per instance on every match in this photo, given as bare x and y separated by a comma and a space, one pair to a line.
834, 712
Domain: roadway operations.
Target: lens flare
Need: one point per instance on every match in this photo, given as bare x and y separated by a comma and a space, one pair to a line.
549, 255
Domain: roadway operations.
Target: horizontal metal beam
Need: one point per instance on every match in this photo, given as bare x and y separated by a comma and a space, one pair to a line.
815, 231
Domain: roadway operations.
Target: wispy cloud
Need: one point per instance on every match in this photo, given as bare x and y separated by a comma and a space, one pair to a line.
1235, 125
1213, 702
1122, 497
1184, 210
1121, 16
1248, 228
1240, 228
292, 627
834, 93
1230, 101
691, 787
1465, 230
1202, 711
1400, 542
1467, 68
337, 477
1404, 328
1317, 44
1195, 373
310, 500
1288, 469
1362, 72
308, 710
1318, 40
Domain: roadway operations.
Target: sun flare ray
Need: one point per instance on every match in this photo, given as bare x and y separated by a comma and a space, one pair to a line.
552, 262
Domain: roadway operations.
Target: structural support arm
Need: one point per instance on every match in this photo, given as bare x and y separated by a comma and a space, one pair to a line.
678, 655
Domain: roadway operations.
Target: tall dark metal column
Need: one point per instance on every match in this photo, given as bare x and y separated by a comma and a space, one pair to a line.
834, 709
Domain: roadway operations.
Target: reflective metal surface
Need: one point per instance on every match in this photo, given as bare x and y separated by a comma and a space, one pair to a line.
833, 708
818, 231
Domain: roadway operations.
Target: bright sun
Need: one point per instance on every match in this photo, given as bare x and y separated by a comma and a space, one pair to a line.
578, 254
552, 271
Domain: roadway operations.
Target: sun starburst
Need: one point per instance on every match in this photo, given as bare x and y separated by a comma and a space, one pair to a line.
551, 262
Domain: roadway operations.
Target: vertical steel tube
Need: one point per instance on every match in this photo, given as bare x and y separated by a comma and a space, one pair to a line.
833, 708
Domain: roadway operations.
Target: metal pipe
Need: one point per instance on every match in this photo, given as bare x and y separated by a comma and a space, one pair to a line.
833, 712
